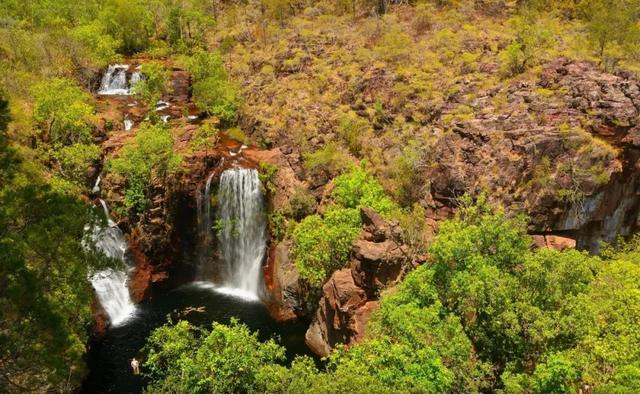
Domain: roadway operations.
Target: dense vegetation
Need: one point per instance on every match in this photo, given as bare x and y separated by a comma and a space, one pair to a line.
343, 81
484, 313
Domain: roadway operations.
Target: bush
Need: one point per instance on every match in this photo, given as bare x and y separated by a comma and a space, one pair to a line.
357, 188
330, 160
224, 359
150, 154
301, 203
129, 22
155, 83
213, 92
205, 137
74, 161
63, 112
322, 244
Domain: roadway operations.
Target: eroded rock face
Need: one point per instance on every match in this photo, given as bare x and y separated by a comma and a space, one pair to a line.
352, 293
283, 284
563, 149
554, 242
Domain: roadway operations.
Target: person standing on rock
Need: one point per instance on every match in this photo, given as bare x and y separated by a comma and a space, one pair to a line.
135, 365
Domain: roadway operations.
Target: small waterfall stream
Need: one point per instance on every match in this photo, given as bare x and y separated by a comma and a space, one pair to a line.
110, 284
241, 230
114, 81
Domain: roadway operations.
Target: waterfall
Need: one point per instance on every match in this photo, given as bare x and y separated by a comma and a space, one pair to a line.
204, 230
114, 81
110, 284
242, 236
128, 123
96, 186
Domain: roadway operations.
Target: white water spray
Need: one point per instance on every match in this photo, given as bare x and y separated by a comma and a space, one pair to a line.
110, 284
242, 238
114, 81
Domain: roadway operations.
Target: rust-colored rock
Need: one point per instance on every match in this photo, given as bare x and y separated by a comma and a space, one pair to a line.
554, 242
283, 283
351, 294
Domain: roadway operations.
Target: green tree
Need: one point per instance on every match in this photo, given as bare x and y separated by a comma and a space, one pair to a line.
358, 188
149, 155
74, 160
213, 92
45, 297
155, 82
129, 22
225, 359
322, 244
63, 112
612, 22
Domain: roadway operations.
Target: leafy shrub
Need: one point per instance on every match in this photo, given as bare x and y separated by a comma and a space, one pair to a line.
352, 129
213, 92
74, 161
205, 137
154, 84
330, 160
224, 359
150, 154
63, 112
267, 173
301, 203
323, 244
357, 188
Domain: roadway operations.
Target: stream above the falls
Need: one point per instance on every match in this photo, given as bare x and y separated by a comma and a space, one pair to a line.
109, 358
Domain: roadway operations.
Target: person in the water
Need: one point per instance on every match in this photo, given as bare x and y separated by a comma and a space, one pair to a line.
135, 365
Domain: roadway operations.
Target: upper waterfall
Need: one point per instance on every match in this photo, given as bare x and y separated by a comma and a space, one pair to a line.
110, 284
115, 81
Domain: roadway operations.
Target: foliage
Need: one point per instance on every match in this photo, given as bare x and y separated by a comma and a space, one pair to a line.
357, 188
63, 112
612, 27
205, 137
322, 244
213, 92
129, 22
225, 359
149, 155
301, 203
154, 84
75, 159
267, 174
329, 160
45, 258
530, 40
187, 26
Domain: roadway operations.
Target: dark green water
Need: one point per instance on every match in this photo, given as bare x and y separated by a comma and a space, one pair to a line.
109, 358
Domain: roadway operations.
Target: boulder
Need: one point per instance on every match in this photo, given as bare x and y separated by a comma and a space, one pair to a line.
283, 283
351, 294
554, 242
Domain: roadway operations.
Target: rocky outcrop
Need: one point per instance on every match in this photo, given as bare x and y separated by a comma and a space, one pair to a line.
283, 284
563, 149
553, 242
351, 294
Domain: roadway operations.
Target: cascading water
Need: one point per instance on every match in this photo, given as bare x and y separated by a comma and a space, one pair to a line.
114, 81
110, 284
128, 123
242, 236
204, 231
241, 231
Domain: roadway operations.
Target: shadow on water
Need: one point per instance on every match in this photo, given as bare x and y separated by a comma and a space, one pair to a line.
109, 358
